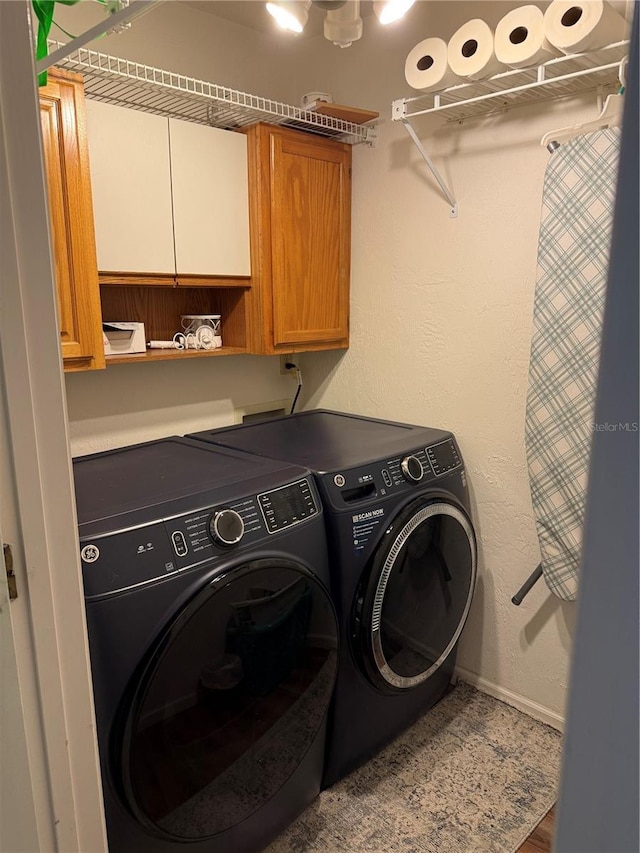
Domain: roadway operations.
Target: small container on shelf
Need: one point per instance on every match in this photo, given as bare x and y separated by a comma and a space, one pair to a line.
200, 331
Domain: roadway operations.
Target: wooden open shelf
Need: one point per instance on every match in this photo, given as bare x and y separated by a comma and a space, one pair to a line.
159, 307
172, 354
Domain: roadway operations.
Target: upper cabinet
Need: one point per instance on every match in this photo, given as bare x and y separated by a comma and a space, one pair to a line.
131, 182
209, 179
300, 204
253, 224
170, 197
71, 219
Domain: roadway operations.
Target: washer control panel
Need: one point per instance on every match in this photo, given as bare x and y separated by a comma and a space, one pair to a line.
443, 457
412, 469
395, 475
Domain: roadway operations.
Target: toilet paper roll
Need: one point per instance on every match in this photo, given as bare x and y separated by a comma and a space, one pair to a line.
581, 26
426, 67
470, 51
520, 41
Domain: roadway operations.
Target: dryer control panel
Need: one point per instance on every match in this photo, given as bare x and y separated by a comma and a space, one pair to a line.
392, 476
203, 534
138, 555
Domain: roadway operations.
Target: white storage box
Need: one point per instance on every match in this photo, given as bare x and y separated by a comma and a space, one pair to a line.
123, 338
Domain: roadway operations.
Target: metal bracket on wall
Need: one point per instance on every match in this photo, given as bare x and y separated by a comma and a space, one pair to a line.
445, 189
125, 14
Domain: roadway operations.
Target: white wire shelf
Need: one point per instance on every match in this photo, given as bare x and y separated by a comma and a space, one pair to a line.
153, 90
597, 71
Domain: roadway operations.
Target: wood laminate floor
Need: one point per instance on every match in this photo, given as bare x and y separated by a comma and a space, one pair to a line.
541, 838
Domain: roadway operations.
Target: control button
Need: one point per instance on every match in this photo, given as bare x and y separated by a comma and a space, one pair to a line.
386, 476
339, 480
90, 553
226, 527
412, 468
179, 543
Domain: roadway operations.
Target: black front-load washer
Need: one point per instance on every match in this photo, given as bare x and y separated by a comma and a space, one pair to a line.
213, 643
403, 563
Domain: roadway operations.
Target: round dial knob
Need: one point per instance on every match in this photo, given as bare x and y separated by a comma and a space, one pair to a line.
412, 468
226, 527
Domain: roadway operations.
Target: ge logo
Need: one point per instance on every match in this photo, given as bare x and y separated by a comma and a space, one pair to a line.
90, 553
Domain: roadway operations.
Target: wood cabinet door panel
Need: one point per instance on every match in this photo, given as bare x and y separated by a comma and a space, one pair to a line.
71, 219
310, 242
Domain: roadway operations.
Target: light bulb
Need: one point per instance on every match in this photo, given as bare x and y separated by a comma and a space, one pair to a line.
290, 14
388, 11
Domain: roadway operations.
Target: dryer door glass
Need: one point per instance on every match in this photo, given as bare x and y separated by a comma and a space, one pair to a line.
416, 598
232, 697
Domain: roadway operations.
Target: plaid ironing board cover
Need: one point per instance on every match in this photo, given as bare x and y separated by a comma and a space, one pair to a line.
573, 256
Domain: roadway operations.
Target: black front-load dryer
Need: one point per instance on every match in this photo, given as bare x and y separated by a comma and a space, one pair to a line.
213, 643
403, 563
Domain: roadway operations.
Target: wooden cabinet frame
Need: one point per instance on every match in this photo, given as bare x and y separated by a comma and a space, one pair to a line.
71, 220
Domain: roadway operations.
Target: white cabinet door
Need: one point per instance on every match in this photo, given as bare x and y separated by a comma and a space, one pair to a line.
210, 200
131, 182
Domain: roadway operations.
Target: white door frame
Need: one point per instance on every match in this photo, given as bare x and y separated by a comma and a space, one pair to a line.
47, 619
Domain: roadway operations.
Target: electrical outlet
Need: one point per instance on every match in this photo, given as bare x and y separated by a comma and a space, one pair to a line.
284, 360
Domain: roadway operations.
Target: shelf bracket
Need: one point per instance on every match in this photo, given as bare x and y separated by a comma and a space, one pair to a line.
126, 13
445, 189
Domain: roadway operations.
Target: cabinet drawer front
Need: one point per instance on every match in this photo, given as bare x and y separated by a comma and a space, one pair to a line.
310, 241
211, 200
131, 179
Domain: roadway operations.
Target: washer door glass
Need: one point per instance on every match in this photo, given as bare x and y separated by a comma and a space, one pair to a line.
230, 700
414, 602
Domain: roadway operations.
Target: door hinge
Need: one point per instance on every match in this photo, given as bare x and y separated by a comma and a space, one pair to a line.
11, 578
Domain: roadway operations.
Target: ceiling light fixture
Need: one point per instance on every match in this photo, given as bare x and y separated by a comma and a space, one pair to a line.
290, 14
329, 5
388, 11
343, 26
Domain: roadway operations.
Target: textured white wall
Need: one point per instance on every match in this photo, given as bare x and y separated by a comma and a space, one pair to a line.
128, 403
441, 308
441, 327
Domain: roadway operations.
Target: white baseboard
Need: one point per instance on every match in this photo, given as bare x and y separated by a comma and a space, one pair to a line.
527, 706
